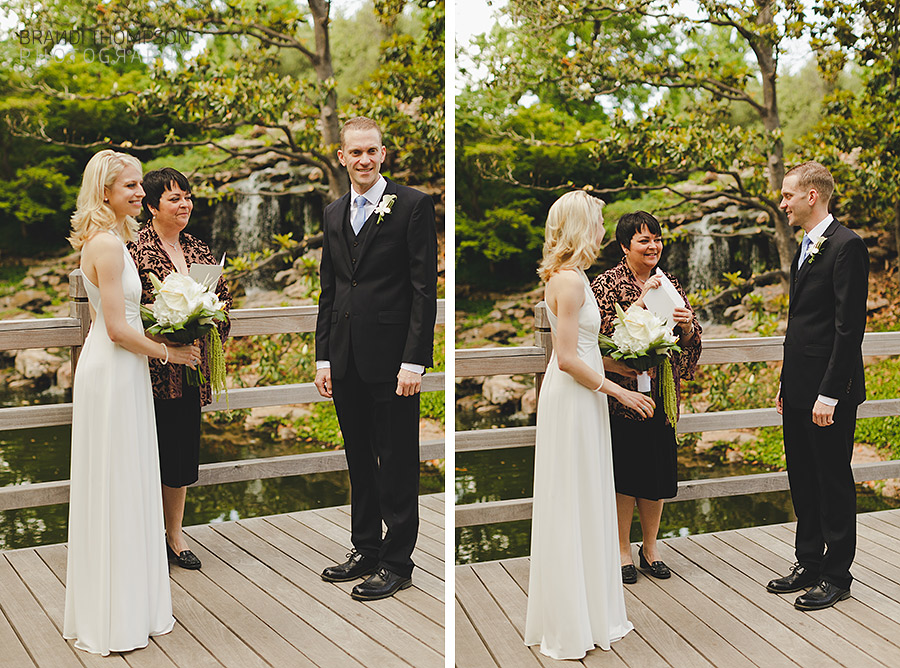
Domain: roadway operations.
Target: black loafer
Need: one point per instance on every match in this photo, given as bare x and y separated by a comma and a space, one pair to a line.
382, 584
356, 566
823, 595
799, 578
657, 569
185, 559
629, 574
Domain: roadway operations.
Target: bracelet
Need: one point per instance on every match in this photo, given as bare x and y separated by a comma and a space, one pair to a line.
165, 348
597, 389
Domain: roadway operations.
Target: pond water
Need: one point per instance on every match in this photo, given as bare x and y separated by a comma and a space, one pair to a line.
40, 455
507, 474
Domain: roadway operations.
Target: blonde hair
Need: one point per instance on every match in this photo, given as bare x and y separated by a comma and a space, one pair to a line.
92, 213
813, 175
570, 235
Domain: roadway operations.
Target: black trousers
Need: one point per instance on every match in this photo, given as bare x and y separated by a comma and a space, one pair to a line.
381, 441
822, 490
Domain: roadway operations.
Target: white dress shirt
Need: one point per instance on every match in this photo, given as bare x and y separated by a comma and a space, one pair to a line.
373, 196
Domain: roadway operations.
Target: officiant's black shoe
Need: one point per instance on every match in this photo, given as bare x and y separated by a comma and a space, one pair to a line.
185, 559
381, 584
355, 567
799, 578
629, 574
657, 569
823, 595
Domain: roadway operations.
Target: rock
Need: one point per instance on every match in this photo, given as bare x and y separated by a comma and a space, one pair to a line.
259, 415
37, 272
733, 456
287, 276
876, 303
33, 300
529, 401
29, 282
745, 324
470, 402
498, 331
37, 363
64, 376
733, 312
501, 390
53, 280
488, 410
495, 314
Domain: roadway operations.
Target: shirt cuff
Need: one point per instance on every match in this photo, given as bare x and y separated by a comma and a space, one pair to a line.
415, 368
323, 364
828, 401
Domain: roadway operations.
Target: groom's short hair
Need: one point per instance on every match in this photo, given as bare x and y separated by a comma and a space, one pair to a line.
360, 123
813, 175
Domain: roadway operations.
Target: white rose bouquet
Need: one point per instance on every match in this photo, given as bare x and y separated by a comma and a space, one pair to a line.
643, 341
184, 311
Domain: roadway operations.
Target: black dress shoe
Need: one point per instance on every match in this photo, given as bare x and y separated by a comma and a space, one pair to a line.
823, 595
381, 584
355, 567
629, 574
799, 578
185, 559
657, 569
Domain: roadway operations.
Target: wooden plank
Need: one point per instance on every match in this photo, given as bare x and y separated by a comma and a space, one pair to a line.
770, 616
508, 510
40, 333
278, 577
496, 361
470, 650
856, 622
689, 622
368, 617
857, 640
490, 623
43, 641
14, 653
50, 593
632, 646
229, 604
33, 495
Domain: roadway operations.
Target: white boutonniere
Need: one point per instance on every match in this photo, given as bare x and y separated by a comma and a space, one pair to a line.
384, 207
815, 249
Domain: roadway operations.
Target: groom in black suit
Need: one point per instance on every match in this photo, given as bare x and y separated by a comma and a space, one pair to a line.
822, 384
374, 339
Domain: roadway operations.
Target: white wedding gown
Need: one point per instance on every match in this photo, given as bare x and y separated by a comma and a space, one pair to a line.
117, 578
575, 595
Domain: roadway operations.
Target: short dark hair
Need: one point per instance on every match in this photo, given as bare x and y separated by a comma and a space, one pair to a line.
159, 181
632, 223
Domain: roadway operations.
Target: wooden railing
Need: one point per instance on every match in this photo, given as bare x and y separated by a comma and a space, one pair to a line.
70, 332
533, 360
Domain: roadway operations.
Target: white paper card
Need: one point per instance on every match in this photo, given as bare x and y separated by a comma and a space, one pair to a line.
206, 274
663, 301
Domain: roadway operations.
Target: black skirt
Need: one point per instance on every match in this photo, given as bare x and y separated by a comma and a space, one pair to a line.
645, 457
178, 432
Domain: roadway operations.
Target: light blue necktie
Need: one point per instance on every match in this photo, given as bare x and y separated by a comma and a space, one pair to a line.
804, 249
360, 218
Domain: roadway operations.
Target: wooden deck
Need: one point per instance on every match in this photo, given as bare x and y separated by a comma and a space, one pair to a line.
713, 612
258, 601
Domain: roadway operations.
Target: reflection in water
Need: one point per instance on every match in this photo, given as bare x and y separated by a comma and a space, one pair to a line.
39, 455
507, 474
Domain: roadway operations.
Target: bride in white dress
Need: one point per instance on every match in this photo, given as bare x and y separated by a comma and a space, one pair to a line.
575, 595
117, 580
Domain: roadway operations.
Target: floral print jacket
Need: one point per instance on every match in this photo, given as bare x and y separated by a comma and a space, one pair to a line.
617, 285
150, 256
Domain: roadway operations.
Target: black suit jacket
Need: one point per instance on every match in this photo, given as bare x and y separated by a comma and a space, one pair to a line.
826, 323
379, 298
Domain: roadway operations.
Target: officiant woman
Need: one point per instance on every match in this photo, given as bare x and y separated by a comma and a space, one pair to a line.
162, 248
644, 449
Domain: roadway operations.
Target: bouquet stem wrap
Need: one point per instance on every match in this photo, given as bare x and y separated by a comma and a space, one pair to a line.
667, 391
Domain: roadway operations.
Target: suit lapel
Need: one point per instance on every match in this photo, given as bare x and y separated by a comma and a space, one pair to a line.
805, 267
339, 244
374, 226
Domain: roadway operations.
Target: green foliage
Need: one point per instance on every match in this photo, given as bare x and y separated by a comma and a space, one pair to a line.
33, 206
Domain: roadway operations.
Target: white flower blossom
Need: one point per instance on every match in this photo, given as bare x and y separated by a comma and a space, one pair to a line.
640, 330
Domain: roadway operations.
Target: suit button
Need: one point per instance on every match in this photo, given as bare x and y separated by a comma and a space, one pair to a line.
791, 316
353, 260
346, 315
353, 283
355, 244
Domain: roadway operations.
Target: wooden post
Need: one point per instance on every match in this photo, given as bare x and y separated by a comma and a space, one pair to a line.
80, 309
542, 339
